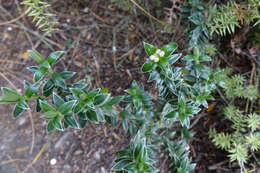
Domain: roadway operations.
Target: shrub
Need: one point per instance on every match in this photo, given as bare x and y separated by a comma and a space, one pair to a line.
181, 93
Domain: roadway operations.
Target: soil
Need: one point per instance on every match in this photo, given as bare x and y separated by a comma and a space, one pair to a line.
103, 44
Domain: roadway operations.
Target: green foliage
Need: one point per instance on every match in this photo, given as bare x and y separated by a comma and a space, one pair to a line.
136, 157
210, 49
181, 93
234, 87
197, 26
37, 9
232, 15
245, 137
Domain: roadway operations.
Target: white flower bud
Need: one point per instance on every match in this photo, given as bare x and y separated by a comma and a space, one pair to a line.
158, 51
162, 53
156, 59
152, 57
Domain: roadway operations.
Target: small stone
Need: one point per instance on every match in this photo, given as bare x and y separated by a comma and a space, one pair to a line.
97, 155
53, 161
103, 170
162, 53
68, 167
78, 152
22, 120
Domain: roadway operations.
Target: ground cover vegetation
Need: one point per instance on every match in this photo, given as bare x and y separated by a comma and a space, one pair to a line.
186, 86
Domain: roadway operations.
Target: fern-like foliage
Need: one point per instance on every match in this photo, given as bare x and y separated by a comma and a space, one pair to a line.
245, 137
37, 9
239, 153
228, 17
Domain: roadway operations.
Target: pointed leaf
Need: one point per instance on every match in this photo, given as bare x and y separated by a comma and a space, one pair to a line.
70, 120
49, 115
174, 58
101, 99
46, 107
58, 80
57, 100
171, 114
57, 123
48, 88
67, 74
77, 93
17, 111
36, 56
169, 49
148, 66
82, 123
51, 125
31, 90
66, 107
54, 56
150, 49
9, 95
92, 115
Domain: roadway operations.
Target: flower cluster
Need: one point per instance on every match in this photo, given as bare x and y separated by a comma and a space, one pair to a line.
158, 53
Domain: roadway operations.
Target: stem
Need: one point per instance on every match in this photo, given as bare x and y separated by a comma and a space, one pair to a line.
40, 152
148, 14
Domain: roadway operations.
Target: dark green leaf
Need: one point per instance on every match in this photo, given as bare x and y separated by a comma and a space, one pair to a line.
79, 106
169, 49
77, 93
66, 107
48, 88
148, 66
57, 123
150, 49
92, 115
54, 56
70, 120
38, 75
120, 165
92, 93
51, 125
58, 80
57, 100
17, 110
46, 107
23, 104
204, 58
49, 115
101, 99
171, 114
115, 100
82, 123
45, 64
67, 74
36, 56
38, 106
9, 95
31, 90
182, 116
